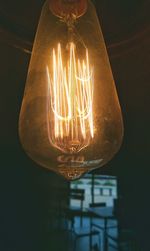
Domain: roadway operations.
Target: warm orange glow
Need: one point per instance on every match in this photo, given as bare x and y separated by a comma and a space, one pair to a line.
70, 105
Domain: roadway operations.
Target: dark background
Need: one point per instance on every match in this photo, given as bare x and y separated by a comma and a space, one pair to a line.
25, 188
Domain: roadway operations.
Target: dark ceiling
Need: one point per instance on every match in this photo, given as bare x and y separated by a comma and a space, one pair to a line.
126, 29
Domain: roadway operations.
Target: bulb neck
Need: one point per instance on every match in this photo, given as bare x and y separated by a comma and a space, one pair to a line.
68, 8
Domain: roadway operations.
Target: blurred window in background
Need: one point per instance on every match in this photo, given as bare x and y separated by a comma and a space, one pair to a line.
98, 188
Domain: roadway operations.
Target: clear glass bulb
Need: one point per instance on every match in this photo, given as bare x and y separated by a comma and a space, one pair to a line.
70, 120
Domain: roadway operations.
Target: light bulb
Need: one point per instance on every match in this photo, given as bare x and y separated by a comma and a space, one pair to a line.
70, 120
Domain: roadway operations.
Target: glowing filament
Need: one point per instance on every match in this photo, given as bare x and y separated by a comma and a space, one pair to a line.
70, 101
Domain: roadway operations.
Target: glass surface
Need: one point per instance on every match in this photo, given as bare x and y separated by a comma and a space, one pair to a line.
70, 120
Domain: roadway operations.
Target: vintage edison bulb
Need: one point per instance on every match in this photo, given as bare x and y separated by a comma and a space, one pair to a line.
70, 120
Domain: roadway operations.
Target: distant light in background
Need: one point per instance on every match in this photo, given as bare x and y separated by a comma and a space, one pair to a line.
105, 189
